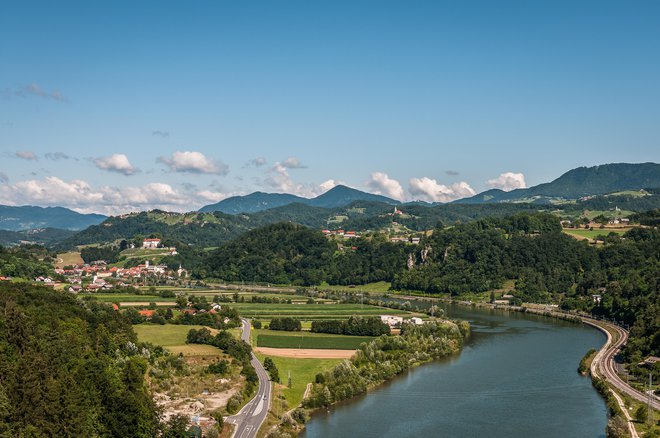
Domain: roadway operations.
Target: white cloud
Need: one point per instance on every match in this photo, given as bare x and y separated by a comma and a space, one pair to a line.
292, 163
80, 196
428, 189
160, 133
193, 162
381, 184
508, 181
329, 184
212, 196
116, 163
27, 155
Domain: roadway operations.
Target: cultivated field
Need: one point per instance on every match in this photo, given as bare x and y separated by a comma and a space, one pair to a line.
68, 259
311, 311
592, 234
282, 339
164, 335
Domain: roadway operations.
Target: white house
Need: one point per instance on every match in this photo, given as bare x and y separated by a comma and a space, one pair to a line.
151, 243
416, 320
391, 320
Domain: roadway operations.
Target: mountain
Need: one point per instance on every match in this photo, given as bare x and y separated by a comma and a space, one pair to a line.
578, 183
252, 203
338, 196
41, 236
30, 217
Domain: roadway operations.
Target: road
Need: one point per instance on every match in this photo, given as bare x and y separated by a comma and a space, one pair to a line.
604, 366
249, 419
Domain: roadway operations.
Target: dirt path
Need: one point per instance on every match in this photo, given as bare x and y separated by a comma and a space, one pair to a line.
310, 353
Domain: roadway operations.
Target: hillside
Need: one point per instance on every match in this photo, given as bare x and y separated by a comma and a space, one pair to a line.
41, 236
338, 196
30, 217
578, 183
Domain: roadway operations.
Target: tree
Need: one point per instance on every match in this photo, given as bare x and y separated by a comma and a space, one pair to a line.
641, 414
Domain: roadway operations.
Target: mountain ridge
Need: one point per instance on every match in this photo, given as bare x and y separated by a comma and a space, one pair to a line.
29, 217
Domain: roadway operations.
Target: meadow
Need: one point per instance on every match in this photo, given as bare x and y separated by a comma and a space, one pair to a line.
592, 234
302, 371
311, 311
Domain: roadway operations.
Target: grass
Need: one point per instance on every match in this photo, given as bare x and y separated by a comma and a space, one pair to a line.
111, 298
69, 259
303, 371
164, 335
311, 311
274, 339
380, 287
592, 234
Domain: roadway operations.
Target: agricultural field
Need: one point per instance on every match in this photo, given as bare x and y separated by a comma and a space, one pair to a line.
303, 371
379, 287
112, 298
282, 339
311, 311
592, 234
173, 337
68, 259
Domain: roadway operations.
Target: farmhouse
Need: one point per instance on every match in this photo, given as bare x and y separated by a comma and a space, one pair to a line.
151, 243
391, 320
416, 320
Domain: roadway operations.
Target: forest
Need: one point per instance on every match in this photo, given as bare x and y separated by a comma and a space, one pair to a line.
69, 368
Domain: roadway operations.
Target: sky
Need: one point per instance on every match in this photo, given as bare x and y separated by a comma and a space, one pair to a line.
120, 106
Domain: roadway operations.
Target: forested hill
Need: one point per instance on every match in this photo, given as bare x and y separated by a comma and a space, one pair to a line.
69, 368
338, 196
213, 229
582, 182
29, 217
528, 250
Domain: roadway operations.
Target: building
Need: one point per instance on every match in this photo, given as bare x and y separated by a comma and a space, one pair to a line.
151, 243
391, 320
416, 320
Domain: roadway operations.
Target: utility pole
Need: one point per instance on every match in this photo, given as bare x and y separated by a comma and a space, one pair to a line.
649, 408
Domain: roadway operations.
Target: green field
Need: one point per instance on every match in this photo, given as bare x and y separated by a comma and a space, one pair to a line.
164, 335
311, 311
592, 234
111, 298
303, 371
378, 287
274, 339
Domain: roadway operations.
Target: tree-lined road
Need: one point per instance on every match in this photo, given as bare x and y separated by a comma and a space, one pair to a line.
249, 419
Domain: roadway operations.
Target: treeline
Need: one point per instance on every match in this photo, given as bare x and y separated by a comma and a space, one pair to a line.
385, 357
69, 368
108, 253
25, 261
354, 326
285, 324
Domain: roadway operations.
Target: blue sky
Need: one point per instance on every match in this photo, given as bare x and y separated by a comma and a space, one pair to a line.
119, 106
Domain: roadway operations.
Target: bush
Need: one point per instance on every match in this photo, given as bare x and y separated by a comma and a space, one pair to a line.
299, 416
256, 324
220, 367
285, 324
234, 403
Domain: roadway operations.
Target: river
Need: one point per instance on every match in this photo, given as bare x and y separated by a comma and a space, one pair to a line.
516, 377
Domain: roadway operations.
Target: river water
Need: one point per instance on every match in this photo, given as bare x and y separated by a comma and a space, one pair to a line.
516, 377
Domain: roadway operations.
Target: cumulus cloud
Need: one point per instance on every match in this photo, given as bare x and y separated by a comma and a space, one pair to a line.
508, 181
381, 184
57, 156
32, 90
329, 184
193, 162
256, 162
27, 155
4, 178
428, 189
116, 163
80, 196
292, 163
159, 133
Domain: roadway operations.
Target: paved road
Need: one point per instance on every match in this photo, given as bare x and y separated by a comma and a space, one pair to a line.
249, 419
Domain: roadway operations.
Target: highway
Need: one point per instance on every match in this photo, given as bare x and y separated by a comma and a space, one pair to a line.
249, 419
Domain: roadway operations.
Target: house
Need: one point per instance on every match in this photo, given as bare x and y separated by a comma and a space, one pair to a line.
597, 298
147, 313
391, 320
151, 243
415, 320
75, 288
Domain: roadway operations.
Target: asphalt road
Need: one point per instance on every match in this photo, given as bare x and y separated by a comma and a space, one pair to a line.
249, 419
